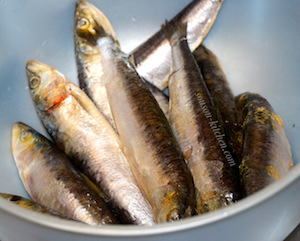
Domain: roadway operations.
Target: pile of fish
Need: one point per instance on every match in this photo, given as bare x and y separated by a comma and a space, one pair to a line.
125, 152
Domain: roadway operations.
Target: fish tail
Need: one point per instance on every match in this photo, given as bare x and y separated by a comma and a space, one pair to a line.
175, 31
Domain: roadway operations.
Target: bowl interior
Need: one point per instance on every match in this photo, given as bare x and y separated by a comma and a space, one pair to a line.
256, 41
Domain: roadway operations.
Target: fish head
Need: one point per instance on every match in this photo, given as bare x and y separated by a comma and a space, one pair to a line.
91, 24
169, 213
25, 142
173, 206
47, 85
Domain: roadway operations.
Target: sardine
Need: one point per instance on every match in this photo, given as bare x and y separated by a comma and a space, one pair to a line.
266, 154
75, 124
222, 96
89, 62
148, 142
153, 57
50, 179
198, 128
31, 205
88, 22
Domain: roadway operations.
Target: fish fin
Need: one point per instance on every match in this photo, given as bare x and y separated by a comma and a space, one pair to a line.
175, 31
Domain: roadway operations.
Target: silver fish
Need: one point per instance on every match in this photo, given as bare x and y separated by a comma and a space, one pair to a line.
51, 180
152, 58
266, 154
168, 201
88, 23
196, 124
148, 142
76, 125
88, 58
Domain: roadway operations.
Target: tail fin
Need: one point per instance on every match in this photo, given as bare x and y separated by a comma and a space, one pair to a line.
175, 31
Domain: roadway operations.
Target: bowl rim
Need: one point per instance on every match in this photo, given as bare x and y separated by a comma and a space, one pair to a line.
74, 227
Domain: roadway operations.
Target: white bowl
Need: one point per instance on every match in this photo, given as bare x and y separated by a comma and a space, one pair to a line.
256, 41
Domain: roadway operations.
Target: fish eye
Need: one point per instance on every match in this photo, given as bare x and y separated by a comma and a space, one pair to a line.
24, 135
83, 24
34, 82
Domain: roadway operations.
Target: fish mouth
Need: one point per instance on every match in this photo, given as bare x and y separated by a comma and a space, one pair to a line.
29, 64
32, 67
